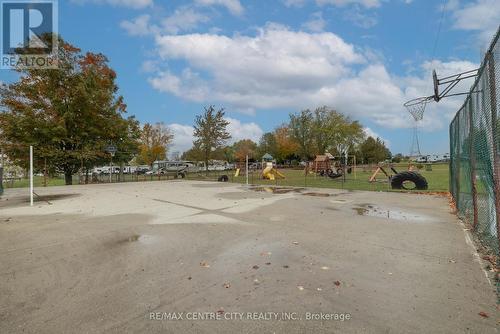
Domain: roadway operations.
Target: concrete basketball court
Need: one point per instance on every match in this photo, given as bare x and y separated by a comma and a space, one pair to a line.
123, 258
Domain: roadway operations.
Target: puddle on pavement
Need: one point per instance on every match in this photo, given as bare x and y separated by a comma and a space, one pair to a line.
394, 214
317, 194
277, 190
209, 185
339, 201
284, 190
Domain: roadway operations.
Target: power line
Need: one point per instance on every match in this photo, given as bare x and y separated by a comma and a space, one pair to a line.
443, 10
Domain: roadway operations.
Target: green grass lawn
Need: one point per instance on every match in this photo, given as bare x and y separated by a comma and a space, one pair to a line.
438, 179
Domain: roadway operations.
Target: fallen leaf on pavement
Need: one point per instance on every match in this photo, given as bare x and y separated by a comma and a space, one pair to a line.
255, 267
204, 265
227, 285
300, 287
483, 314
337, 283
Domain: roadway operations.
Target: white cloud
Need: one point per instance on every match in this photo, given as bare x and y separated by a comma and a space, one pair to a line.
294, 3
308, 70
183, 19
139, 26
241, 131
183, 134
137, 4
233, 6
183, 137
481, 16
316, 24
361, 19
340, 3
149, 66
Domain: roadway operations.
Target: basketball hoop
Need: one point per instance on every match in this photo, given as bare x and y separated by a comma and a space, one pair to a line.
416, 107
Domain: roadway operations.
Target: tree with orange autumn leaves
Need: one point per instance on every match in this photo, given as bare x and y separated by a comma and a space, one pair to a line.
69, 115
155, 140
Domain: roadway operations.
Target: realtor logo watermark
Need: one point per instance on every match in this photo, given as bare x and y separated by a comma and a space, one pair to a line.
28, 38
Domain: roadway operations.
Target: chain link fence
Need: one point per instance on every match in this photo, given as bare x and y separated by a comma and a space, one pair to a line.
475, 153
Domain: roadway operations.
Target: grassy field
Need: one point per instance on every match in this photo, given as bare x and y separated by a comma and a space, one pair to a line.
438, 179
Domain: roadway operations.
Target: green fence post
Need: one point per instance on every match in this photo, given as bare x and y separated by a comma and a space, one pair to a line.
495, 134
457, 164
472, 166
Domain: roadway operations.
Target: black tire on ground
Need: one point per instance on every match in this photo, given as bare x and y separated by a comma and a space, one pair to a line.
223, 178
182, 175
340, 171
349, 170
398, 181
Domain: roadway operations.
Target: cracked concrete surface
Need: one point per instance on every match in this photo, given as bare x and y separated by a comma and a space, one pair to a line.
101, 258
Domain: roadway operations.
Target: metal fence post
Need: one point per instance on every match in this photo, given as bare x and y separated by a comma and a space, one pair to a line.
450, 166
457, 165
1, 180
494, 133
472, 153
1, 171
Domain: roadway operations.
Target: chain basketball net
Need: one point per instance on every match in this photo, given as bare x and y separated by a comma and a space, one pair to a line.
416, 107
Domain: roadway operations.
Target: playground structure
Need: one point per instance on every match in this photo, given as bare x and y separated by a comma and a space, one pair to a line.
271, 173
328, 165
408, 180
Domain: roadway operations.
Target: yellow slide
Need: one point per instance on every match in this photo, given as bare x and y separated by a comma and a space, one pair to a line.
271, 173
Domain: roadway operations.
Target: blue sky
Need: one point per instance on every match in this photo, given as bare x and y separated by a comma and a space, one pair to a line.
262, 60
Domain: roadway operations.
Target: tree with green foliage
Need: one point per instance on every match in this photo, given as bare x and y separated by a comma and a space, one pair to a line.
69, 115
397, 158
301, 128
210, 131
324, 130
374, 150
334, 130
267, 144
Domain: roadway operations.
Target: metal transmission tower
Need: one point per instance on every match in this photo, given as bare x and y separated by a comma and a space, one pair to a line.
415, 145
